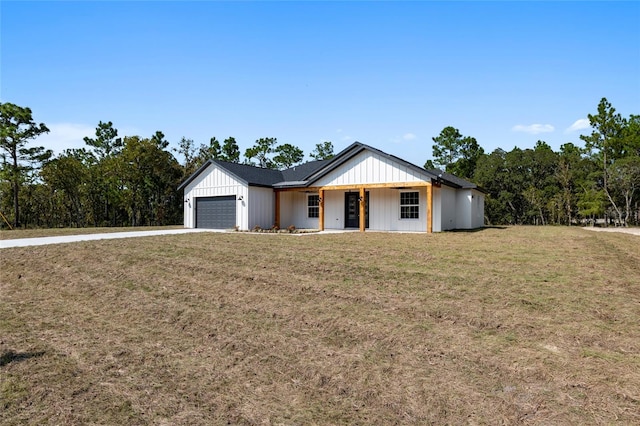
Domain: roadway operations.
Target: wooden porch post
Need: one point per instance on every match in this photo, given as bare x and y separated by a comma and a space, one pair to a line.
430, 209
277, 209
362, 204
321, 210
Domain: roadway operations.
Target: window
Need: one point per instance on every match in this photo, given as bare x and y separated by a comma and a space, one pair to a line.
313, 206
410, 205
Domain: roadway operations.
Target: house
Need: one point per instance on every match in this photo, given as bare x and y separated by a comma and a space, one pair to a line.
360, 188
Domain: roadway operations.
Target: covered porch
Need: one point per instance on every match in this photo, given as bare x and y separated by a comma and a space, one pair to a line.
401, 206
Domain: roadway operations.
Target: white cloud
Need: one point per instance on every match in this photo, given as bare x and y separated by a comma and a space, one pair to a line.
533, 129
580, 124
63, 136
408, 136
346, 138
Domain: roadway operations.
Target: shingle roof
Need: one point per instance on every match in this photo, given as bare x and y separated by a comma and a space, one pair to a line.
302, 171
256, 176
462, 183
305, 174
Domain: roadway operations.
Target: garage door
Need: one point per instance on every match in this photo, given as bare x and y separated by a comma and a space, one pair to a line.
216, 212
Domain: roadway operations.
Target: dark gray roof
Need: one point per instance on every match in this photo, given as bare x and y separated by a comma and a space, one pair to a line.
462, 183
302, 171
304, 175
258, 176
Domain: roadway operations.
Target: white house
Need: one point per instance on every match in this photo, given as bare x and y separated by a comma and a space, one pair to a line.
361, 187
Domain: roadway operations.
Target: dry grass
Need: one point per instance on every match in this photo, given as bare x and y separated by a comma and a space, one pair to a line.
520, 325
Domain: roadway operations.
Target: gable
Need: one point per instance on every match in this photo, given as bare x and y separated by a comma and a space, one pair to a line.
369, 167
214, 176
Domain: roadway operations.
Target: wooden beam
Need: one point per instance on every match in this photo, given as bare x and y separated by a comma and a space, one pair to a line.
430, 209
407, 185
277, 209
362, 210
321, 210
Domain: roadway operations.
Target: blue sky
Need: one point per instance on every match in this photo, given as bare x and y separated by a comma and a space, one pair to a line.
388, 74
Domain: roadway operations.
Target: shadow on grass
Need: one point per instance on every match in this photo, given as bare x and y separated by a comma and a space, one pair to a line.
11, 356
484, 228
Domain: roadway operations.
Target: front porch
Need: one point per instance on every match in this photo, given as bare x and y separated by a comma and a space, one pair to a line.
403, 206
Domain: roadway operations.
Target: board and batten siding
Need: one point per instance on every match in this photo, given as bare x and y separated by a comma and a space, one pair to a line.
384, 210
477, 209
294, 210
447, 208
213, 182
369, 167
261, 207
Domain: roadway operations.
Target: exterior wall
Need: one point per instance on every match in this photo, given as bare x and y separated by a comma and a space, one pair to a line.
447, 208
214, 182
463, 208
477, 209
436, 218
384, 210
294, 211
334, 209
368, 167
261, 207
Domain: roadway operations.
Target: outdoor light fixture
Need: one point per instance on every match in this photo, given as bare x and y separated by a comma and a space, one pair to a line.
240, 198
186, 200
360, 199
319, 199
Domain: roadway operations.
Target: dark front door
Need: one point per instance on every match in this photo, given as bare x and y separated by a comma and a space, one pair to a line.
352, 210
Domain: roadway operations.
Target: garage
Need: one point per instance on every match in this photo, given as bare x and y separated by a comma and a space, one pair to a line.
216, 212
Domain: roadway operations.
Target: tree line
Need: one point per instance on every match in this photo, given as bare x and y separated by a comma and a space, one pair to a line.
540, 186
132, 180
112, 180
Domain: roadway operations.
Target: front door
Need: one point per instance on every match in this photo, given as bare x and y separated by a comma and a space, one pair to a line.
352, 210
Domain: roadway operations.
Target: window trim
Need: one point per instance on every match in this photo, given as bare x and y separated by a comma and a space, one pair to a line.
315, 207
416, 205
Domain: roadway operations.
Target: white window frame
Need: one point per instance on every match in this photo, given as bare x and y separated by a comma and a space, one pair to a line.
315, 207
417, 205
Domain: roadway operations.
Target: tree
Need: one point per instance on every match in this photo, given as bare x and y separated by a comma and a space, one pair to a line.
455, 153
16, 129
149, 175
67, 176
230, 150
187, 148
287, 155
213, 151
604, 143
260, 151
104, 191
566, 174
106, 142
322, 151
159, 140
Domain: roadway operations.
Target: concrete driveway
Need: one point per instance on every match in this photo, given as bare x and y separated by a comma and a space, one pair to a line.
634, 231
25, 242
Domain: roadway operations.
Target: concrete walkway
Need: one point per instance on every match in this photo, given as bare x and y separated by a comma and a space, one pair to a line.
26, 242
